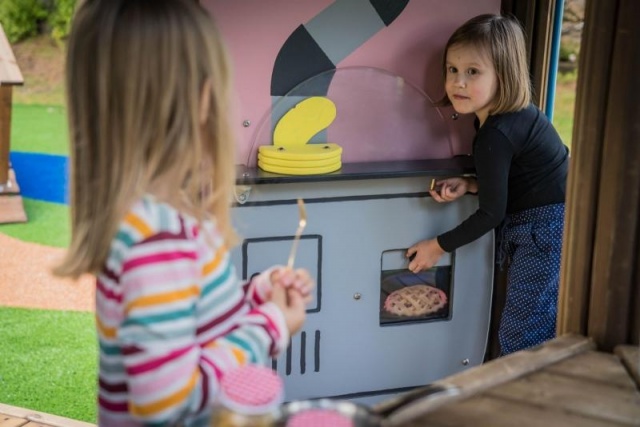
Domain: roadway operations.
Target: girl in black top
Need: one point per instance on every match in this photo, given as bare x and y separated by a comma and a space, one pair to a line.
521, 170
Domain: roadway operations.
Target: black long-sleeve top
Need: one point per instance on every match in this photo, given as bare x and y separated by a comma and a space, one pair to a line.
521, 163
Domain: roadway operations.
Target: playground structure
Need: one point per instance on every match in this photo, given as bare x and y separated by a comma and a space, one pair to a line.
11, 206
599, 291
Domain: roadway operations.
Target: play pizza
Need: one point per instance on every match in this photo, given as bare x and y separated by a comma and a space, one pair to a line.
416, 300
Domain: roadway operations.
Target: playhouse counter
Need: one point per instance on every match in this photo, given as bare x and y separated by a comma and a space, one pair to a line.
459, 165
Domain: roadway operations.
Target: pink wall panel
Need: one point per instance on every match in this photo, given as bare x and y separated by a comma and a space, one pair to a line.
411, 47
254, 31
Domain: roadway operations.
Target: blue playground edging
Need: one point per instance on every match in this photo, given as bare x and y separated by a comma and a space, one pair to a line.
42, 176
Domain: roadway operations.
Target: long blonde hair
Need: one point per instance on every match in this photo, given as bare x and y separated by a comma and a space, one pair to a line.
137, 75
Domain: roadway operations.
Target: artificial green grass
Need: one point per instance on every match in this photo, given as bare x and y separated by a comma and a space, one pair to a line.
48, 224
39, 129
48, 362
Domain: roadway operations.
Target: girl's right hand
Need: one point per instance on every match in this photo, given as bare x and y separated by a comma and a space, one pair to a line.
451, 189
299, 279
292, 304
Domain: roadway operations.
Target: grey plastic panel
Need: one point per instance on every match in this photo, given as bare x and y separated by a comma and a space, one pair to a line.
260, 254
343, 350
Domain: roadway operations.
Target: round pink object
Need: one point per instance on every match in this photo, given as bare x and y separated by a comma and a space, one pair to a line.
319, 418
251, 389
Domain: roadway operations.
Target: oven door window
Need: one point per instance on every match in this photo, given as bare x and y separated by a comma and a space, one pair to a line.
407, 297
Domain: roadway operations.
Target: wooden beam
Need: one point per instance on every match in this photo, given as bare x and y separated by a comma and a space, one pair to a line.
584, 170
591, 399
634, 337
488, 410
541, 51
525, 13
595, 366
483, 377
9, 75
619, 193
629, 356
5, 133
536, 18
39, 418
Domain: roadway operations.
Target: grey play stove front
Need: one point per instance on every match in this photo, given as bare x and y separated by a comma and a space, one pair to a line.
360, 223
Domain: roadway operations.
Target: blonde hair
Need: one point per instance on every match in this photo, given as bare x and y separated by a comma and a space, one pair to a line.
502, 39
137, 75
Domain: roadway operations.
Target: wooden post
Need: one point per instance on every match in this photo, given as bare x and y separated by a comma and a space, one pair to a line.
617, 229
11, 206
5, 132
536, 17
599, 281
584, 173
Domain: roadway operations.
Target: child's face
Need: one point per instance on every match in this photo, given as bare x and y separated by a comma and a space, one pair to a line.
471, 81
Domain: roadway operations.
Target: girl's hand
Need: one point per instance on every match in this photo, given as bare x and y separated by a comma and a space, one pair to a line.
451, 189
292, 305
427, 253
298, 279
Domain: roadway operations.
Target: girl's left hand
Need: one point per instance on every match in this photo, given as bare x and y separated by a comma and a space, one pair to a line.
427, 253
450, 189
298, 279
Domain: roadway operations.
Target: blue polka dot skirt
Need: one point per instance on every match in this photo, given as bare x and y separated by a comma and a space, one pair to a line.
531, 243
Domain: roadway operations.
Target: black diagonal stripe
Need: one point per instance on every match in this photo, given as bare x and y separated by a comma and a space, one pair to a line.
299, 59
388, 10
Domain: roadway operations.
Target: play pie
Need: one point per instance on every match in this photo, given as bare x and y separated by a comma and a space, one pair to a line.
416, 300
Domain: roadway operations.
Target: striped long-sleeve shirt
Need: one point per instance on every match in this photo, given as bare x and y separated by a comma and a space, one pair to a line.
172, 317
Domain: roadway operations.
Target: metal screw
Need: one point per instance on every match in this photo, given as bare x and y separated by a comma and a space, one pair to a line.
357, 296
246, 123
465, 362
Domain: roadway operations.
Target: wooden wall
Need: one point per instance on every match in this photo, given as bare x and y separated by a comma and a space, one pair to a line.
601, 260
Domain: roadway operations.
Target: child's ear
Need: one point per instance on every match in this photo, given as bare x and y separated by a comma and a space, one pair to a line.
205, 101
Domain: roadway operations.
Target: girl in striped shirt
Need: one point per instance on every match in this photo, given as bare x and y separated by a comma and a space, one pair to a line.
152, 177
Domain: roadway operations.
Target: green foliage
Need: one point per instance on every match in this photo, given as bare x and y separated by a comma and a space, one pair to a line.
22, 18
60, 19
569, 51
26, 18
48, 362
569, 77
569, 48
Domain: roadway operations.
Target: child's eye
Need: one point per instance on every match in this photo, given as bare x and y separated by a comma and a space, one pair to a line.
472, 71
452, 70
